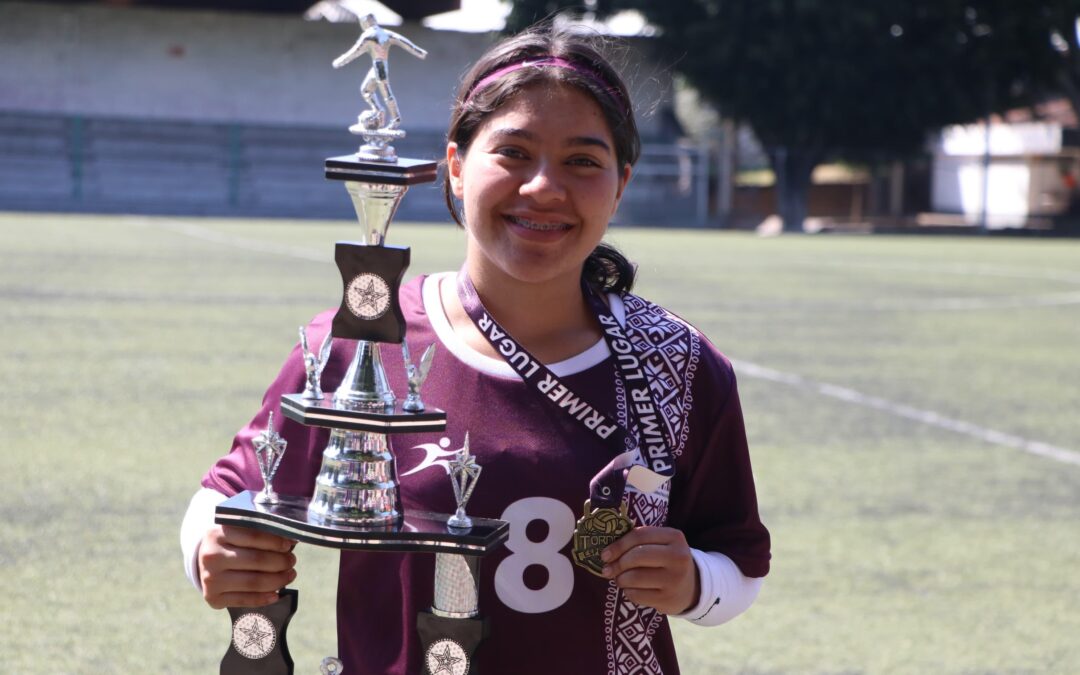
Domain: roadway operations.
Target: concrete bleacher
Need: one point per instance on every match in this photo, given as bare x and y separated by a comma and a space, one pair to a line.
55, 163
35, 162
118, 165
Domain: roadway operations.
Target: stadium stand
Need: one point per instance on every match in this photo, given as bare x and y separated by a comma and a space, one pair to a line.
120, 165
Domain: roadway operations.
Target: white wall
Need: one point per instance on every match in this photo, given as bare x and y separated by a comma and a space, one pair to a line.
210, 66
1015, 188
217, 66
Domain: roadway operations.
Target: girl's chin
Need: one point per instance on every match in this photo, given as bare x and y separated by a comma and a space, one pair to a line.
530, 270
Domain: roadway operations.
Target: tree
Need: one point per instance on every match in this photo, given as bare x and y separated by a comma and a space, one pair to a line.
857, 79
1062, 20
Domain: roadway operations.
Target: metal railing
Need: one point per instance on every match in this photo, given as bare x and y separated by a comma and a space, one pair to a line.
95, 164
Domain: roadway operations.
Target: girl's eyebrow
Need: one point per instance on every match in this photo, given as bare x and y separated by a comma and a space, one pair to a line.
589, 140
504, 133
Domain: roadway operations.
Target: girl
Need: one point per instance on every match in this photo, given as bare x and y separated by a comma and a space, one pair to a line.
540, 149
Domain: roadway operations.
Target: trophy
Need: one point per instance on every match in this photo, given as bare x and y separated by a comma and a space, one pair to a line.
356, 500
269, 450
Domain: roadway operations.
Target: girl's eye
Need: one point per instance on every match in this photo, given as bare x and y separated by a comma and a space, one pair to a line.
584, 161
511, 152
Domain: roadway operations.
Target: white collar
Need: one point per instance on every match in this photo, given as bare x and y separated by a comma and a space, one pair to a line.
492, 366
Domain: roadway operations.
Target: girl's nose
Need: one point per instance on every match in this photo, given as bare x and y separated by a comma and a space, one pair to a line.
544, 184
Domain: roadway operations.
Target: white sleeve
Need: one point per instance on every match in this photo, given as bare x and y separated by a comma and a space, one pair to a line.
725, 592
198, 519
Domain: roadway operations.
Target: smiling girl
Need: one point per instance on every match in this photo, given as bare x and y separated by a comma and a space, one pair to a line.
540, 150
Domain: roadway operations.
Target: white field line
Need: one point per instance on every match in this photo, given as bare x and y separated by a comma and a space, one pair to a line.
929, 417
967, 304
961, 269
243, 243
960, 304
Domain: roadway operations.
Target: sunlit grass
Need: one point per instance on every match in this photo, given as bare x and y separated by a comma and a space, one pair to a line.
135, 347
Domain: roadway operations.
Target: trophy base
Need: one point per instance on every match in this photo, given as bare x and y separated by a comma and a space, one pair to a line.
258, 638
323, 413
415, 532
371, 276
449, 644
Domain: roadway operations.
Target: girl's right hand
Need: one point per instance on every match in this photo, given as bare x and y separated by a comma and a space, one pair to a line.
242, 567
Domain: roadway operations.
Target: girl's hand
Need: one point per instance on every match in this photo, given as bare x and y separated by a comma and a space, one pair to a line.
653, 566
241, 567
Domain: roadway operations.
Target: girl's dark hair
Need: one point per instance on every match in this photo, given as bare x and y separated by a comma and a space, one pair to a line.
606, 269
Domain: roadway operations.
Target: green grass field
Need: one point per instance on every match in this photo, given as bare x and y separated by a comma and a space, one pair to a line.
896, 390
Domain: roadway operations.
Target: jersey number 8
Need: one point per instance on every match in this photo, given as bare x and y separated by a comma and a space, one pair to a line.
524, 552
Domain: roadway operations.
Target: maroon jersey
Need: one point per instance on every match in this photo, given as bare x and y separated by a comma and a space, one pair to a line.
546, 614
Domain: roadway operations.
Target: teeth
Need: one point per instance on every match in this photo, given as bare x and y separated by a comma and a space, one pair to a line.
533, 225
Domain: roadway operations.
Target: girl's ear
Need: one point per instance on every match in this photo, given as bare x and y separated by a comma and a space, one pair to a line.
624, 178
453, 169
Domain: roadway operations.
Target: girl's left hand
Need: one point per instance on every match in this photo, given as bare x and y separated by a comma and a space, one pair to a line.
653, 566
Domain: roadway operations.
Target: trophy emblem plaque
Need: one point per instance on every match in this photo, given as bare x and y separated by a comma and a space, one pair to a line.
356, 501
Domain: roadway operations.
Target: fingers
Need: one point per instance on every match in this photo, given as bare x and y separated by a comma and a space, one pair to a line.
246, 537
235, 548
250, 560
644, 547
654, 567
241, 567
242, 600
643, 566
244, 589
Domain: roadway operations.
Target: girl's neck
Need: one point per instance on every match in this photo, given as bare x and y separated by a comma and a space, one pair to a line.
551, 320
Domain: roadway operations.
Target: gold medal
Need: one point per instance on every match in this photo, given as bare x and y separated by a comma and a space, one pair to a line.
596, 530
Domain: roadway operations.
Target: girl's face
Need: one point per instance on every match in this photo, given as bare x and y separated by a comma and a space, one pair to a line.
539, 184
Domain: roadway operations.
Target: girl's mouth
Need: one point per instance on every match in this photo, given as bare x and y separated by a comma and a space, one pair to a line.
535, 225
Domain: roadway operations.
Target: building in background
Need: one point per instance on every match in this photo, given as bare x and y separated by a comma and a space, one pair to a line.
166, 106
1009, 173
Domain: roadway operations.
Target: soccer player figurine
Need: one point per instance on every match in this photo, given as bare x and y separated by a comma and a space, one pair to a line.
379, 124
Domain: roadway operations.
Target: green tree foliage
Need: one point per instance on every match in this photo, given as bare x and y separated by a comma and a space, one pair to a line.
858, 79
1063, 21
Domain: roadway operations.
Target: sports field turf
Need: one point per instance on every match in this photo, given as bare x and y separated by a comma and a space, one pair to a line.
912, 404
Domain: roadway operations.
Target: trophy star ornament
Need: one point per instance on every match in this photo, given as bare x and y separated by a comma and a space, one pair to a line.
368, 296
254, 635
269, 449
447, 656
464, 473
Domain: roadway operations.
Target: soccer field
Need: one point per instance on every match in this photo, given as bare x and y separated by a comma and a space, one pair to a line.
912, 405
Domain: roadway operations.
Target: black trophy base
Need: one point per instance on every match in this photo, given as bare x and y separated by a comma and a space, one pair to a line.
370, 277
417, 531
401, 171
258, 644
323, 413
449, 644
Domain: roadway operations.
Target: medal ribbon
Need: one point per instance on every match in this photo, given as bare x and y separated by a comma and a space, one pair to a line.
607, 487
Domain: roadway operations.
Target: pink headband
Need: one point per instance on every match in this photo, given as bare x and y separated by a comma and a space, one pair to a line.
550, 62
